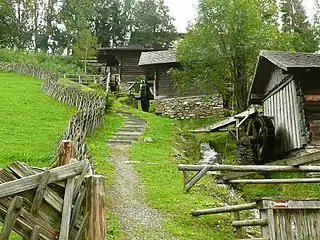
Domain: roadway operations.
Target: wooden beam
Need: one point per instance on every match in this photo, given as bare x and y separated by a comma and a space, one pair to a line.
83, 227
56, 174
272, 181
297, 161
255, 222
35, 233
251, 168
66, 211
80, 178
77, 206
233, 208
96, 207
37, 200
11, 217
196, 178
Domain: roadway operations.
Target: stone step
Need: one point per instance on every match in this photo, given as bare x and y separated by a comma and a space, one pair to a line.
135, 122
125, 137
131, 129
120, 142
128, 133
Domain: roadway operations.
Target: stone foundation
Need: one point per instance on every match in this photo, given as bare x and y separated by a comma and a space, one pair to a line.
191, 107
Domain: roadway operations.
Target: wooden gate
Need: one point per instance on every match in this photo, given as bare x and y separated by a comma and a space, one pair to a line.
290, 219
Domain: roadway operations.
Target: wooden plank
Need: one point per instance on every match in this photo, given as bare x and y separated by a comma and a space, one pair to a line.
251, 168
11, 217
233, 208
37, 200
96, 207
35, 233
66, 211
80, 178
271, 181
26, 221
289, 204
297, 161
56, 174
196, 178
77, 206
83, 227
215, 126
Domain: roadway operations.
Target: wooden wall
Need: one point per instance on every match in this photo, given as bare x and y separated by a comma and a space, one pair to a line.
129, 67
284, 106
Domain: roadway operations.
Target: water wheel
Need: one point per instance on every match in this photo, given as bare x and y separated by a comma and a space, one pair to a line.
261, 133
145, 99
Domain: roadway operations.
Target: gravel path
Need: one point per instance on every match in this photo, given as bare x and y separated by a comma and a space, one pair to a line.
138, 220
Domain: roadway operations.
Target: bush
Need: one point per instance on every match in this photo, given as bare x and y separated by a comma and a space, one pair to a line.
61, 64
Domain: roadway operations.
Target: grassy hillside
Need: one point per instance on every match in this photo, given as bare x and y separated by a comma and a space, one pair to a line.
30, 122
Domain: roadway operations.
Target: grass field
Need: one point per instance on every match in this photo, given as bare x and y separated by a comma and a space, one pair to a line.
31, 123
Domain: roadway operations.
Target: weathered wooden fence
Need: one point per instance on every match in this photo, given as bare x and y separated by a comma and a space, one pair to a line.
85, 79
49, 204
236, 171
280, 219
90, 105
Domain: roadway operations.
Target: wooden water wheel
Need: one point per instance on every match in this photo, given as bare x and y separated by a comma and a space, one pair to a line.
261, 133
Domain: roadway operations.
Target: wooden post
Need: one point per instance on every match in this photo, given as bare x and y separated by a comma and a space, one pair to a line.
96, 208
37, 200
238, 229
66, 153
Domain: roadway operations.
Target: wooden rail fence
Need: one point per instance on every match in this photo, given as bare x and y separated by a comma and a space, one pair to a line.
287, 165
280, 219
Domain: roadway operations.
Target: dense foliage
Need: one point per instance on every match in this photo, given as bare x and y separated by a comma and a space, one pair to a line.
220, 50
64, 26
61, 64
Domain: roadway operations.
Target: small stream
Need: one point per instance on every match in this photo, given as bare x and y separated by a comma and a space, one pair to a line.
211, 157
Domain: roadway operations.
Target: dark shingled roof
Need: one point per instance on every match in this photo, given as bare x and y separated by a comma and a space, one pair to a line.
158, 57
286, 60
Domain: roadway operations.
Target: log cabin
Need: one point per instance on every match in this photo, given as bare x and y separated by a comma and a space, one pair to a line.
287, 85
122, 63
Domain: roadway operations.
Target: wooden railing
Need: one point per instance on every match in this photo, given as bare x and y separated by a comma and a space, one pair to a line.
85, 79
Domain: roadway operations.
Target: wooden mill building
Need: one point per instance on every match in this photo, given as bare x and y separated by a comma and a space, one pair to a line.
122, 62
287, 85
157, 66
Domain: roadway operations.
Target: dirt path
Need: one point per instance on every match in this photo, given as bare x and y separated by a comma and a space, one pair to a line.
137, 219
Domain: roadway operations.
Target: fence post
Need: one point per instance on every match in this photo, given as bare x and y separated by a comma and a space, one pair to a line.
238, 229
96, 207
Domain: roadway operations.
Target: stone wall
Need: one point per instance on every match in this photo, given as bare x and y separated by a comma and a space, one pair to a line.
191, 107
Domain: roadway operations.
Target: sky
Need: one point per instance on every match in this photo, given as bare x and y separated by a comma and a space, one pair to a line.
185, 11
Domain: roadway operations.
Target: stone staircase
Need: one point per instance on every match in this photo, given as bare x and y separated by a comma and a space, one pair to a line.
129, 132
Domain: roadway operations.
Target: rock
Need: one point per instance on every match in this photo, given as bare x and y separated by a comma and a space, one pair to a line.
148, 139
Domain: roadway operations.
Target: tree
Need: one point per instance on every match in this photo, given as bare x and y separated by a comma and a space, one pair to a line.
7, 21
295, 22
111, 23
152, 25
85, 46
222, 46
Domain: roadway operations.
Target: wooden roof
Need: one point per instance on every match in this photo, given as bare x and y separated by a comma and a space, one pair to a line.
286, 61
158, 57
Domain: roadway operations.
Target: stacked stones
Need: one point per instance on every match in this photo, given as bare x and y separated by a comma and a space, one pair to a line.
191, 107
